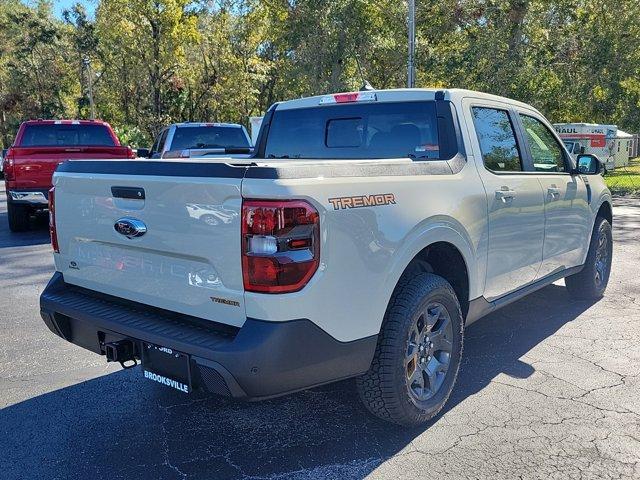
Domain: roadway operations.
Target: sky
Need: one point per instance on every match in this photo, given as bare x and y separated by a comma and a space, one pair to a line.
60, 5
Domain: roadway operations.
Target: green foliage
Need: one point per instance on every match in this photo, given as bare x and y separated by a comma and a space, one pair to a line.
158, 61
133, 136
625, 180
36, 80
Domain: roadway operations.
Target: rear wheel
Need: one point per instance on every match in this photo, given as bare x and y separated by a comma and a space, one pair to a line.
418, 355
18, 217
591, 282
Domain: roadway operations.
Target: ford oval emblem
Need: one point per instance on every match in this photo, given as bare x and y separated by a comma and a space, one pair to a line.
130, 227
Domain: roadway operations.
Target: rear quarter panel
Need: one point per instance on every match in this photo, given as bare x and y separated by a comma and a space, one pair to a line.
365, 250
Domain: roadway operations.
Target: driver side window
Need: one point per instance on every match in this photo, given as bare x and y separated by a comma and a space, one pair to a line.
546, 152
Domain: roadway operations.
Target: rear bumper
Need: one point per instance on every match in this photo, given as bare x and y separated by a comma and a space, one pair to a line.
262, 359
29, 196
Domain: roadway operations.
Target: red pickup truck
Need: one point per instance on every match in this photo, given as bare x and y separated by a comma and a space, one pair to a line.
40, 146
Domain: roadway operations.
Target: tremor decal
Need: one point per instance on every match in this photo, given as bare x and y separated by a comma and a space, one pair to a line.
375, 200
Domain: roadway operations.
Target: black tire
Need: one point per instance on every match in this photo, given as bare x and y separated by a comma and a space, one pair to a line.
18, 216
591, 282
386, 388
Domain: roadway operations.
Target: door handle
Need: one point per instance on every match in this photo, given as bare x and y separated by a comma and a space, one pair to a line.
505, 195
135, 193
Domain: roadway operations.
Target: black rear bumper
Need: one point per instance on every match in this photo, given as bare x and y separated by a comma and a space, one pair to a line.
261, 359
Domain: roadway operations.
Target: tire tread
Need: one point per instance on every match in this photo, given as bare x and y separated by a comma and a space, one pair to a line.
378, 387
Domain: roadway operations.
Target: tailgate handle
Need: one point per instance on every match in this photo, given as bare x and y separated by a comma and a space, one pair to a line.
136, 193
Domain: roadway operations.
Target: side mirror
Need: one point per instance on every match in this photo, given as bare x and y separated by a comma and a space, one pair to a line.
589, 165
143, 152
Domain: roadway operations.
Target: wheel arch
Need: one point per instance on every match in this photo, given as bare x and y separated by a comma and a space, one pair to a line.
445, 251
606, 211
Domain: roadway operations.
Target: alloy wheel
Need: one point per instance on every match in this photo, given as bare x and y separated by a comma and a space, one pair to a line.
428, 353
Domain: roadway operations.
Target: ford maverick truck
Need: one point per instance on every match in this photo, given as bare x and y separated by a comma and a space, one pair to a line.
368, 230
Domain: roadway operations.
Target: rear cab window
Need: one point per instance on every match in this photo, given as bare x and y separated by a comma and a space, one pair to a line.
201, 137
372, 130
64, 135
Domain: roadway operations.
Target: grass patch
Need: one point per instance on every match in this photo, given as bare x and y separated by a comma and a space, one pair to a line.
625, 180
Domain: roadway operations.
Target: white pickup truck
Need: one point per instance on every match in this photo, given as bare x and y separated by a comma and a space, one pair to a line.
368, 230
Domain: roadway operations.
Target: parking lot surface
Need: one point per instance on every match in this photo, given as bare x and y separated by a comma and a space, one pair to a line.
549, 388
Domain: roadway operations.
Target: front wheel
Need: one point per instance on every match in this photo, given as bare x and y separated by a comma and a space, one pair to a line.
591, 282
418, 355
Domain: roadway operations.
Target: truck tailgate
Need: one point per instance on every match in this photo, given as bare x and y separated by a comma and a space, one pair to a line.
188, 260
35, 165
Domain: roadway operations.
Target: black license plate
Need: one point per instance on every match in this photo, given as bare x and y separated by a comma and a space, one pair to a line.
166, 366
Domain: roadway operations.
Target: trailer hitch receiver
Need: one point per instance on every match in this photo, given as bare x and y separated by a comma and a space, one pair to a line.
122, 351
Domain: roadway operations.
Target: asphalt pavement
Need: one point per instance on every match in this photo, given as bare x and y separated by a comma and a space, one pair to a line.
549, 388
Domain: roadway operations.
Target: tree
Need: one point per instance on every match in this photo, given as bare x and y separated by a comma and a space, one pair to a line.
36, 79
142, 48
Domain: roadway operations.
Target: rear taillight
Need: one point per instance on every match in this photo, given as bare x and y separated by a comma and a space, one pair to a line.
52, 220
131, 153
280, 245
8, 165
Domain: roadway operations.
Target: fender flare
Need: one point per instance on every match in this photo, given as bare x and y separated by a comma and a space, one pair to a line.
428, 232
605, 197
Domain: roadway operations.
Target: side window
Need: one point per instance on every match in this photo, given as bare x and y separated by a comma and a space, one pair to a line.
546, 152
157, 146
497, 139
154, 148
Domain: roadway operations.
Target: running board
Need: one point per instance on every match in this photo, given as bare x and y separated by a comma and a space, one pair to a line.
480, 306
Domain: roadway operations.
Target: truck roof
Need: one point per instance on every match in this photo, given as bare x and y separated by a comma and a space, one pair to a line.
205, 124
63, 122
404, 94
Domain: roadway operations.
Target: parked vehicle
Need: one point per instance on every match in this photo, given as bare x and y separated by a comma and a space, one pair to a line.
187, 140
613, 146
367, 232
40, 146
3, 153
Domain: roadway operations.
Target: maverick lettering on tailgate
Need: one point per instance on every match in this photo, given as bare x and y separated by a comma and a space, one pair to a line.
376, 200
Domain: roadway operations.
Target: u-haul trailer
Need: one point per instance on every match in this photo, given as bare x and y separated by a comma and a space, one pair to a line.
612, 146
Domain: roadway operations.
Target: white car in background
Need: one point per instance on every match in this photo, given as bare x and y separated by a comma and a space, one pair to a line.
188, 140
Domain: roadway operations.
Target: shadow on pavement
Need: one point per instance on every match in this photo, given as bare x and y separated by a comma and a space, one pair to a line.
121, 426
626, 220
38, 234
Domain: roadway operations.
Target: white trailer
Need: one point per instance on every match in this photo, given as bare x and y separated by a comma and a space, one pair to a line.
624, 148
613, 146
